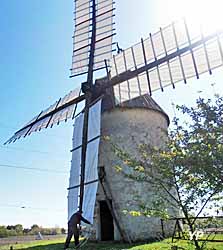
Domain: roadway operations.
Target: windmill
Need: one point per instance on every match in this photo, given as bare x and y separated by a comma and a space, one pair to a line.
163, 59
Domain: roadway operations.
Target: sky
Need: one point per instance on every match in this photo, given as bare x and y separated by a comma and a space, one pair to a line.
36, 51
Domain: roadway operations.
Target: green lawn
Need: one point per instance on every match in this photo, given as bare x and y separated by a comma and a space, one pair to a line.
58, 244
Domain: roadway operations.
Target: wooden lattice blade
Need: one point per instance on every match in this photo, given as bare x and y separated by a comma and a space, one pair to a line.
90, 180
83, 31
61, 110
165, 58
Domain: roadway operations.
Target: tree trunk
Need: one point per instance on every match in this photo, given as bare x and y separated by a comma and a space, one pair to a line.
190, 224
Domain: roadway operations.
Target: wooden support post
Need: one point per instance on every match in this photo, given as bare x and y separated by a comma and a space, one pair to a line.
174, 231
178, 229
162, 227
122, 232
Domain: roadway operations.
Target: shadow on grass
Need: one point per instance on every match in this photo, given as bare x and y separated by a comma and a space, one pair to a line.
88, 246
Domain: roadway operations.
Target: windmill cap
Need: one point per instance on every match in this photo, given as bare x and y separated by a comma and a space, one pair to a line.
143, 101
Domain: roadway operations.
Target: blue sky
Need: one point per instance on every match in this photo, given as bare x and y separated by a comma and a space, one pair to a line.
36, 50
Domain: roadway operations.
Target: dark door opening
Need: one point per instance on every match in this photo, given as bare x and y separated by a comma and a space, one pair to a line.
107, 226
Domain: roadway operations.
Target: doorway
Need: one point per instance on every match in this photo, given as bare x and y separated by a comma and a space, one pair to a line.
107, 226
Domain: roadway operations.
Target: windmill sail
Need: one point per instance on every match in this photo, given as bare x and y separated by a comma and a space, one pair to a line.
169, 56
83, 31
61, 110
91, 168
165, 58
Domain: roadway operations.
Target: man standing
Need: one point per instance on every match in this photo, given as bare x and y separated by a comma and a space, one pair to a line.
75, 219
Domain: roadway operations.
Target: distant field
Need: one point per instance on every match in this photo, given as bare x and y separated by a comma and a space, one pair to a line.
5, 243
57, 244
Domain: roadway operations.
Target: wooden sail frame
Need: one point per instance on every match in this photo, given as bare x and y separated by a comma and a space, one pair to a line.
101, 85
88, 97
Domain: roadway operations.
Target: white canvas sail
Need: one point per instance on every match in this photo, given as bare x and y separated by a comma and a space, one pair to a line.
91, 168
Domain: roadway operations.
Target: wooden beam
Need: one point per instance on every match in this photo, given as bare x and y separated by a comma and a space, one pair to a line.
131, 74
88, 96
147, 72
73, 101
121, 231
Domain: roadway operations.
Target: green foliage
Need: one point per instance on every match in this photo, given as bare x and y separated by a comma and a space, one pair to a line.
188, 171
11, 231
3, 232
17, 230
34, 229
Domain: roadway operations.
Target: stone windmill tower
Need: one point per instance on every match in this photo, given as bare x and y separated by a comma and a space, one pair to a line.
140, 120
165, 58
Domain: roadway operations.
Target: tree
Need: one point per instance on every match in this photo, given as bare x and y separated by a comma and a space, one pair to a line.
188, 170
19, 229
10, 227
3, 232
35, 229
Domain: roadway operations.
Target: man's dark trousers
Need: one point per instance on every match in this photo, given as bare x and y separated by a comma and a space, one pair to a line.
72, 230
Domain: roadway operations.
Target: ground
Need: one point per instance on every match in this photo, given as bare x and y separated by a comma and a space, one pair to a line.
57, 244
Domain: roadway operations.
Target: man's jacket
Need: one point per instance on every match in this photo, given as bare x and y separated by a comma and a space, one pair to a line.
76, 218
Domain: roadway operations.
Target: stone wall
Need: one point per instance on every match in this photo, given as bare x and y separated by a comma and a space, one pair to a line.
129, 127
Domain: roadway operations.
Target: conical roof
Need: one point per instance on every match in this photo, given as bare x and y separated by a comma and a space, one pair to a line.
143, 101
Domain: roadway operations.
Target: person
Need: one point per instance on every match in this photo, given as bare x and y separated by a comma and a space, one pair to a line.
75, 219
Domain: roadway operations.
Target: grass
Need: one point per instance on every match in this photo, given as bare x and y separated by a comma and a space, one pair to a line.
58, 245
